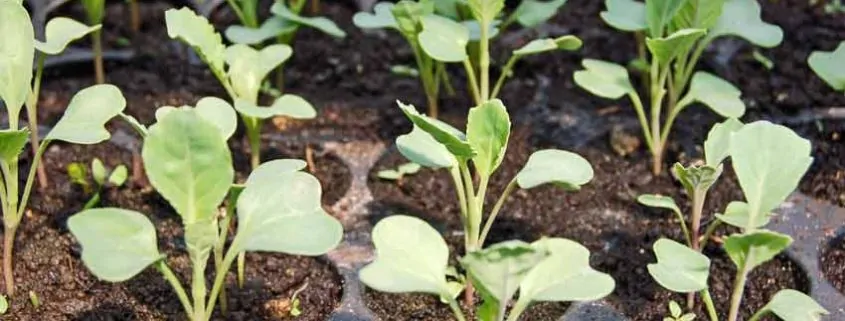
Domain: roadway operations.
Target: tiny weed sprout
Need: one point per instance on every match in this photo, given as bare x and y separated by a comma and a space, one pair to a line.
441, 32
551, 269
769, 161
400, 172
676, 33
830, 66
95, 10
82, 123
278, 209
101, 177
4, 304
676, 314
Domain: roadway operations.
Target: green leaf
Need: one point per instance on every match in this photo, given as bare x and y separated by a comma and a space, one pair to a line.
675, 309
830, 66
420, 147
751, 250
500, 268
558, 167
389, 174
280, 211
762, 59
197, 32
409, 168
604, 79
78, 174
117, 244
118, 175
272, 27
565, 275
569, 43
99, 171
85, 117
741, 18
665, 50
408, 16
214, 110
12, 143
488, 129
659, 13
381, 18
791, 305
737, 214
193, 172
60, 32
626, 15
659, 201
475, 29
718, 143
718, 94
287, 105
698, 14
531, 13
453, 139
248, 67
4, 304
17, 52
679, 268
444, 39
410, 257
697, 178
269, 171
320, 23
486, 10
769, 161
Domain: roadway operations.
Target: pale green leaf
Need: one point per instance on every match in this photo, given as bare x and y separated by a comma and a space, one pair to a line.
389, 174
16, 55
420, 147
536, 46
196, 31
320, 23
679, 268
453, 139
117, 244
248, 67
409, 168
830, 66
716, 93
381, 18
741, 18
626, 15
60, 32
565, 275
659, 13
751, 250
475, 29
85, 117
4, 304
531, 13
272, 27
698, 14
791, 305
488, 129
697, 178
118, 175
674, 309
679, 43
287, 105
99, 171
604, 79
737, 214
12, 143
659, 201
718, 143
214, 110
444, 39
408, 15
269, 171
558, 167
500, 268
486, 10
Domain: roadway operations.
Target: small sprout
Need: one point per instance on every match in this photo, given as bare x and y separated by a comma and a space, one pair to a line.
101, 176
676, 313
294, 300
763, 60
404, 70
4, 304
34, 300
400, 172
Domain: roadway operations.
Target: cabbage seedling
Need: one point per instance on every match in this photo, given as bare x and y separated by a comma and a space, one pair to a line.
400, 172
830, 66
551, 269
278, 210
440, 32
101, 177
95, 10
678, 32
769, 161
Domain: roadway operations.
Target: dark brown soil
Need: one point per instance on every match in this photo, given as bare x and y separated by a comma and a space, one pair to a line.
832, 260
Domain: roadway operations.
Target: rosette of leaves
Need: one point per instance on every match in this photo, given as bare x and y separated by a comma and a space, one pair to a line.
676, 34
101, 177
282, 25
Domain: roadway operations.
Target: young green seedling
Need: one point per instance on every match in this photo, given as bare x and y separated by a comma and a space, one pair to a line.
677, 33
82, 123
440, 32
769, 161
95, 10
400, 172
551, 269
101, 177
676, 314
830, 66
278, 210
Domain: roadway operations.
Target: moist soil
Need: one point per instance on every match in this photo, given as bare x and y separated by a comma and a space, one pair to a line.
349, 82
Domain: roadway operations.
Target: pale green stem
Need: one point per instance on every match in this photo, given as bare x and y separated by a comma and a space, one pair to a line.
638, 107
171, 278
32, 116
241, 267
708, 303
462, 199
495, 212
237, 10
198, 291
684, 228
739, 288
758, 315
456, 310
27, 190
447, 81
253, 133
221, 277
473, 84
97, 46
484, 60
709, 232
698, 199
506, 73
517, 310
473, 215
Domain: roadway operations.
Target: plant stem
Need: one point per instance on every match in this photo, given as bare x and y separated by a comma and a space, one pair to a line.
8, 251
638, 107
135, 15
171, 278
739, 288
473, 84
221, 277
237, 9
241, 269
97, 46
473, 213
32, 117
758, 315
484, 61
506, 73
517, 310
253, 133
198, 290
445, 79
708, 303
709, 232
462, 200
698, 197
495, 212
456, 310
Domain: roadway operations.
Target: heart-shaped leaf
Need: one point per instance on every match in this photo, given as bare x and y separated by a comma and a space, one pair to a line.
12, 143
248, 67
488, 129
420, 147
830, 66
659, 201
604, 79
17, 50
60, 32
737, 214
453, 139
718, 94
215, 110
698, 14
381, 18
741, 18
444, 39
565, 275
280, 211
659, 13
627, 15
410, 257
679, 268
537, 46
558, 167
769, 161
87, 114
287, 105
320, 23
531, 13
665, 50
271, 171
718, 143
117, 244
791, 305
197, 32
751, 250
194, 172
272, 27
500, 268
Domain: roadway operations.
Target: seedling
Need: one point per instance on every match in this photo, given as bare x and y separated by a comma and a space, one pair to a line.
4, 304
676, 34
278, 210
439, 32
400, 172
82, 123
676, 314
101, 177
551, 269
769, 161
95, 10
830, 66
34, 300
